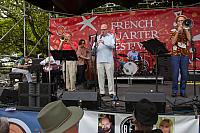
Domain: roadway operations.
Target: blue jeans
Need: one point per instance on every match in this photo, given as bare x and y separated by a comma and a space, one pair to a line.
179, 63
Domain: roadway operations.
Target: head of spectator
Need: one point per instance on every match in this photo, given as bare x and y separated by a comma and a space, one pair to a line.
146, 116
165, 125
55, 117
4, 125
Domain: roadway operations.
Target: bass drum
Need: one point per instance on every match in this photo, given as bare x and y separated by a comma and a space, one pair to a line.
130, 68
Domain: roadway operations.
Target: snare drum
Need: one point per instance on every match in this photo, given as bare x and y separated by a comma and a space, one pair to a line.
130, 68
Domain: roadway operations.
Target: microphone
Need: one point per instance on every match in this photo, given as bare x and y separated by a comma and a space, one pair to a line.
101, 36
93, 35
96, 37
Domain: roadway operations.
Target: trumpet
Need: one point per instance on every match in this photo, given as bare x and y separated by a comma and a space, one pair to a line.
63, 38
187, 24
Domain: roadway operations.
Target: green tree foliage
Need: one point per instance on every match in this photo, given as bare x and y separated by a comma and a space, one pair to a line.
37, 21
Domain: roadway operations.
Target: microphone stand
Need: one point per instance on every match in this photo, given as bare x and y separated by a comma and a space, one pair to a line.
195, 101
194, 66
115, 98
94, 53
95, 61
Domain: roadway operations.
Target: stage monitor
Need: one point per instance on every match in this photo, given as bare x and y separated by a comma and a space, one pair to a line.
159, 99
86, 100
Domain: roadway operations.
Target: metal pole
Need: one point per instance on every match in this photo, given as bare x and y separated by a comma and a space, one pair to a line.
49, 50
37, 43
24, 28
10, 29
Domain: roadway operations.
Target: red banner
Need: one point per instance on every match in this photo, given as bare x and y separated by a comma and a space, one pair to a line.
130, 27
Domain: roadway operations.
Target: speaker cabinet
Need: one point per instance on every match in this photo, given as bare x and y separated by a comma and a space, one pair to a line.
8, 96
35, 94
87, 100
159, 99
164, 67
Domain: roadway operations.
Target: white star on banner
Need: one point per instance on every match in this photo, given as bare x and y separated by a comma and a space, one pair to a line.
177, 13
87, 22
196, 38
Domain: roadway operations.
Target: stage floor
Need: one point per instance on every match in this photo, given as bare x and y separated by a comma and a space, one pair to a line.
144, 86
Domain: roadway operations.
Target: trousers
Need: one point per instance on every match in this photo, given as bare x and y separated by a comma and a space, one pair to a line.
69, 74
107, 68
179, 64
25, 72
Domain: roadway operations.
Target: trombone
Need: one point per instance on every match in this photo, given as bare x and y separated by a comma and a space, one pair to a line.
63, 38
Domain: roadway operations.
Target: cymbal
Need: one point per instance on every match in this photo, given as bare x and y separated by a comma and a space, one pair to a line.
123, 55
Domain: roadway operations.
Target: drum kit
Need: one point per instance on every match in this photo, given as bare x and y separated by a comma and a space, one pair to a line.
131, 67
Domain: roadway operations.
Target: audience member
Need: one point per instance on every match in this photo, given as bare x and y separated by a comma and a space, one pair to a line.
55, 117
4, 125
146, 116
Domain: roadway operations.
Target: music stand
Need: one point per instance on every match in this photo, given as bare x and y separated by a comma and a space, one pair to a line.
64, 55
156, 48
67, 55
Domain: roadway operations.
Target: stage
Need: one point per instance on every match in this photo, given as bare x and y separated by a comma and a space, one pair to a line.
146, 88
128, 88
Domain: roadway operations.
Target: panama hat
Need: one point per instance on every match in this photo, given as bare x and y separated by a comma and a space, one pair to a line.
146, 112
55, 117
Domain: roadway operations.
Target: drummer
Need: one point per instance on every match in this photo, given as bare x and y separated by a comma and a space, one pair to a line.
133, 55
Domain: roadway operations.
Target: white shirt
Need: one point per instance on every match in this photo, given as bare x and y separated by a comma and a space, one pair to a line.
45, 62
104, 48
52, 61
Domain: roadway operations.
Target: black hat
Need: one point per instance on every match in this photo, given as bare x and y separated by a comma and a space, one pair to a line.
146, 112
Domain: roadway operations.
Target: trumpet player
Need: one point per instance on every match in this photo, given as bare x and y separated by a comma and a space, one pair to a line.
69, 67
181, 38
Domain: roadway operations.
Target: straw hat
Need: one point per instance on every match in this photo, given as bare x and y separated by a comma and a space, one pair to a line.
55, 117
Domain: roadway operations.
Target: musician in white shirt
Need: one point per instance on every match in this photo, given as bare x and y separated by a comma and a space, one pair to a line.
105, 62
54, 67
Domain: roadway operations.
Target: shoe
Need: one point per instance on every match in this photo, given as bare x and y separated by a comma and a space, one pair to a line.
71, 90
102, 95
183, 95
115, 98
111, 95
174, 95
